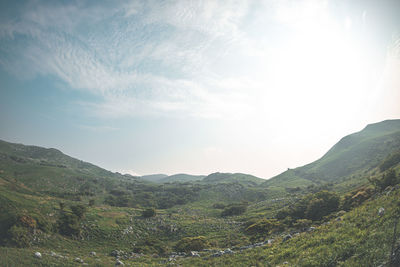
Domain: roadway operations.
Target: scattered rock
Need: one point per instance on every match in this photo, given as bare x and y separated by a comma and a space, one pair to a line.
53, 254
311, 229
194, 254
287, 237
218, 254
381, 211
228, 251
38, 255
119, 263
114, 253
78, 260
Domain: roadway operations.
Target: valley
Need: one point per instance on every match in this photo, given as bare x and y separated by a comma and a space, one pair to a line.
340, 210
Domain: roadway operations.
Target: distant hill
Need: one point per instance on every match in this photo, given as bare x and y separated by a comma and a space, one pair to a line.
353, 155
163, 178
218, 177
50, 170
182, 177
155, 178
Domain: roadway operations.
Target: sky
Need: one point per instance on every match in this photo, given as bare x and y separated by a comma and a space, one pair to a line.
197, 87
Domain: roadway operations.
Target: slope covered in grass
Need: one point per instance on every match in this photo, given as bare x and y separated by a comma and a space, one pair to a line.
353, 154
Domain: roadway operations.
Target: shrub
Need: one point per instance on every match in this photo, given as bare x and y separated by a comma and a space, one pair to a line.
355, 199
150, 212
78, 210
68, 224
235, 209
219, 206
20, 236
312, 207
264, 226
302, 224
192, 244
389, 178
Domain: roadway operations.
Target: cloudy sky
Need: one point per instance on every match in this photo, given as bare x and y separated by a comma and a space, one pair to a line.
196, 86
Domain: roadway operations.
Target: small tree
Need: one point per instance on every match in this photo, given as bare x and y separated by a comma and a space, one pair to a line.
91, 202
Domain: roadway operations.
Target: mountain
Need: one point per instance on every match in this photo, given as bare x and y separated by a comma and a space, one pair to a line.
181, 177
353, 156
232, 178
155, 178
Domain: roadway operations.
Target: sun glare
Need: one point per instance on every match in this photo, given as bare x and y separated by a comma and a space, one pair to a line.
322, 67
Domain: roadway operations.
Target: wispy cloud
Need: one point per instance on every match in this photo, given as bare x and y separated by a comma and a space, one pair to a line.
153, 57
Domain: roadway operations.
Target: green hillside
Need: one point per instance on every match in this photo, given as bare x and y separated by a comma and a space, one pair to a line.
351, 156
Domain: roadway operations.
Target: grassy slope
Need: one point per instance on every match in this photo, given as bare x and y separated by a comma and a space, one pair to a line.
354, 154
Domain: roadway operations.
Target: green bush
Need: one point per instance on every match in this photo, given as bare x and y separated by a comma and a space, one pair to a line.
312, 207
356, 198
192, 244
234, 209
150, 212
68, 224
78, 210
20, 236
264, 226
389, 178
302, 224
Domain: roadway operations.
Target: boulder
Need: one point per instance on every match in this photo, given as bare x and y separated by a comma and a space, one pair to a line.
381, 211
119, 263
38, 255
92, 253
78, 260
228, 251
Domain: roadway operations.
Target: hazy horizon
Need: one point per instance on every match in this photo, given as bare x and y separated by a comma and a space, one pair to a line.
147, 87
